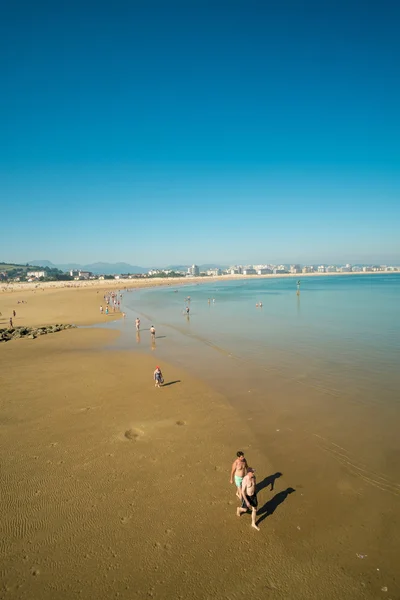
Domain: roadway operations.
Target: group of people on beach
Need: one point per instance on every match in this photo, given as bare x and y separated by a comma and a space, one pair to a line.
113, 302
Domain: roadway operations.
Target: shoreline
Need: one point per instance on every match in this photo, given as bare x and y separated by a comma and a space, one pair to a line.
111, 284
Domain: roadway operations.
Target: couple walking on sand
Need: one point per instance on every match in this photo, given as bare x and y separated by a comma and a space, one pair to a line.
245, 481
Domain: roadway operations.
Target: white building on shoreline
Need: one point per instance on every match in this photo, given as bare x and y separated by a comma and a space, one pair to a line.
36, 274
193, 271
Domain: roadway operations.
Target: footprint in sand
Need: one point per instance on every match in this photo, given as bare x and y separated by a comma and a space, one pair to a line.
180, 422
133, 434
125, 520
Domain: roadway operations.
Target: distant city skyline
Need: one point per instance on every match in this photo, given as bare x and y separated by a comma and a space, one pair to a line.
10, 273
225, 133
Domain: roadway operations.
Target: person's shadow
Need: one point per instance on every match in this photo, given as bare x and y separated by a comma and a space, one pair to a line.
171, 383
270, 507
270, 480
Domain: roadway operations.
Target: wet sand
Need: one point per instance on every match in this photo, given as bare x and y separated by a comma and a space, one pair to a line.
112, 488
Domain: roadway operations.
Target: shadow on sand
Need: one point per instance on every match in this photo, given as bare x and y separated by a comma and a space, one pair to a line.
270, 507
270, 480
171, 383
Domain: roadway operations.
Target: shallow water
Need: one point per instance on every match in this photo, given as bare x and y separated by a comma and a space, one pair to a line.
337, 328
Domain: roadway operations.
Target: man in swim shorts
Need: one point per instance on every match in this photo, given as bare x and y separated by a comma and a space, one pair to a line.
239, 470
249, 497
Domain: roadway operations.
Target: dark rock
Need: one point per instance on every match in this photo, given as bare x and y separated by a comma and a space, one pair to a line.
14, 333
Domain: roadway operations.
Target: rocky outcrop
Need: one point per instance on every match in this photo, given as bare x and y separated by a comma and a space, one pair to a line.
14, 333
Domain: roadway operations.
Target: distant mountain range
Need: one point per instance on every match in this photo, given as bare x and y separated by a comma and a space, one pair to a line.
103, 268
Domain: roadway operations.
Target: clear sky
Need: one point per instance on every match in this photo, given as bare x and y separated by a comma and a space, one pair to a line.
200, 131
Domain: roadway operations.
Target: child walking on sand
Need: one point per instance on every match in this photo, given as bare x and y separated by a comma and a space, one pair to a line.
158, 377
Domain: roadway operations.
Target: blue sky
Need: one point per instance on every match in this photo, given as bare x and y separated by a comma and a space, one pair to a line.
179, 132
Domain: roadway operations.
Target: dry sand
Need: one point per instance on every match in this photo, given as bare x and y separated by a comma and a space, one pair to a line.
80, 306
112, 488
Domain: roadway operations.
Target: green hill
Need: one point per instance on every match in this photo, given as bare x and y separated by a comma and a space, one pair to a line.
10, 271
4, 267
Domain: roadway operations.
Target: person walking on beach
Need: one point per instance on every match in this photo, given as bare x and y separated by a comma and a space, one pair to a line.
238, 471
11, 322
14, 314
249, 497
152, 333
158, 377
101, 310
137, 323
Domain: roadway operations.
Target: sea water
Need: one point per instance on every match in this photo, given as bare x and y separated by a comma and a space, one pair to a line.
340, 324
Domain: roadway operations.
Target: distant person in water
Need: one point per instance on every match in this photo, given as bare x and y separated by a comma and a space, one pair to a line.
249, 497
238, 471
158, 377
153, 332
209, 301
187, 310
137, 323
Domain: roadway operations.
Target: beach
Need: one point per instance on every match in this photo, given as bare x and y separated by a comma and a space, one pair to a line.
112, 488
